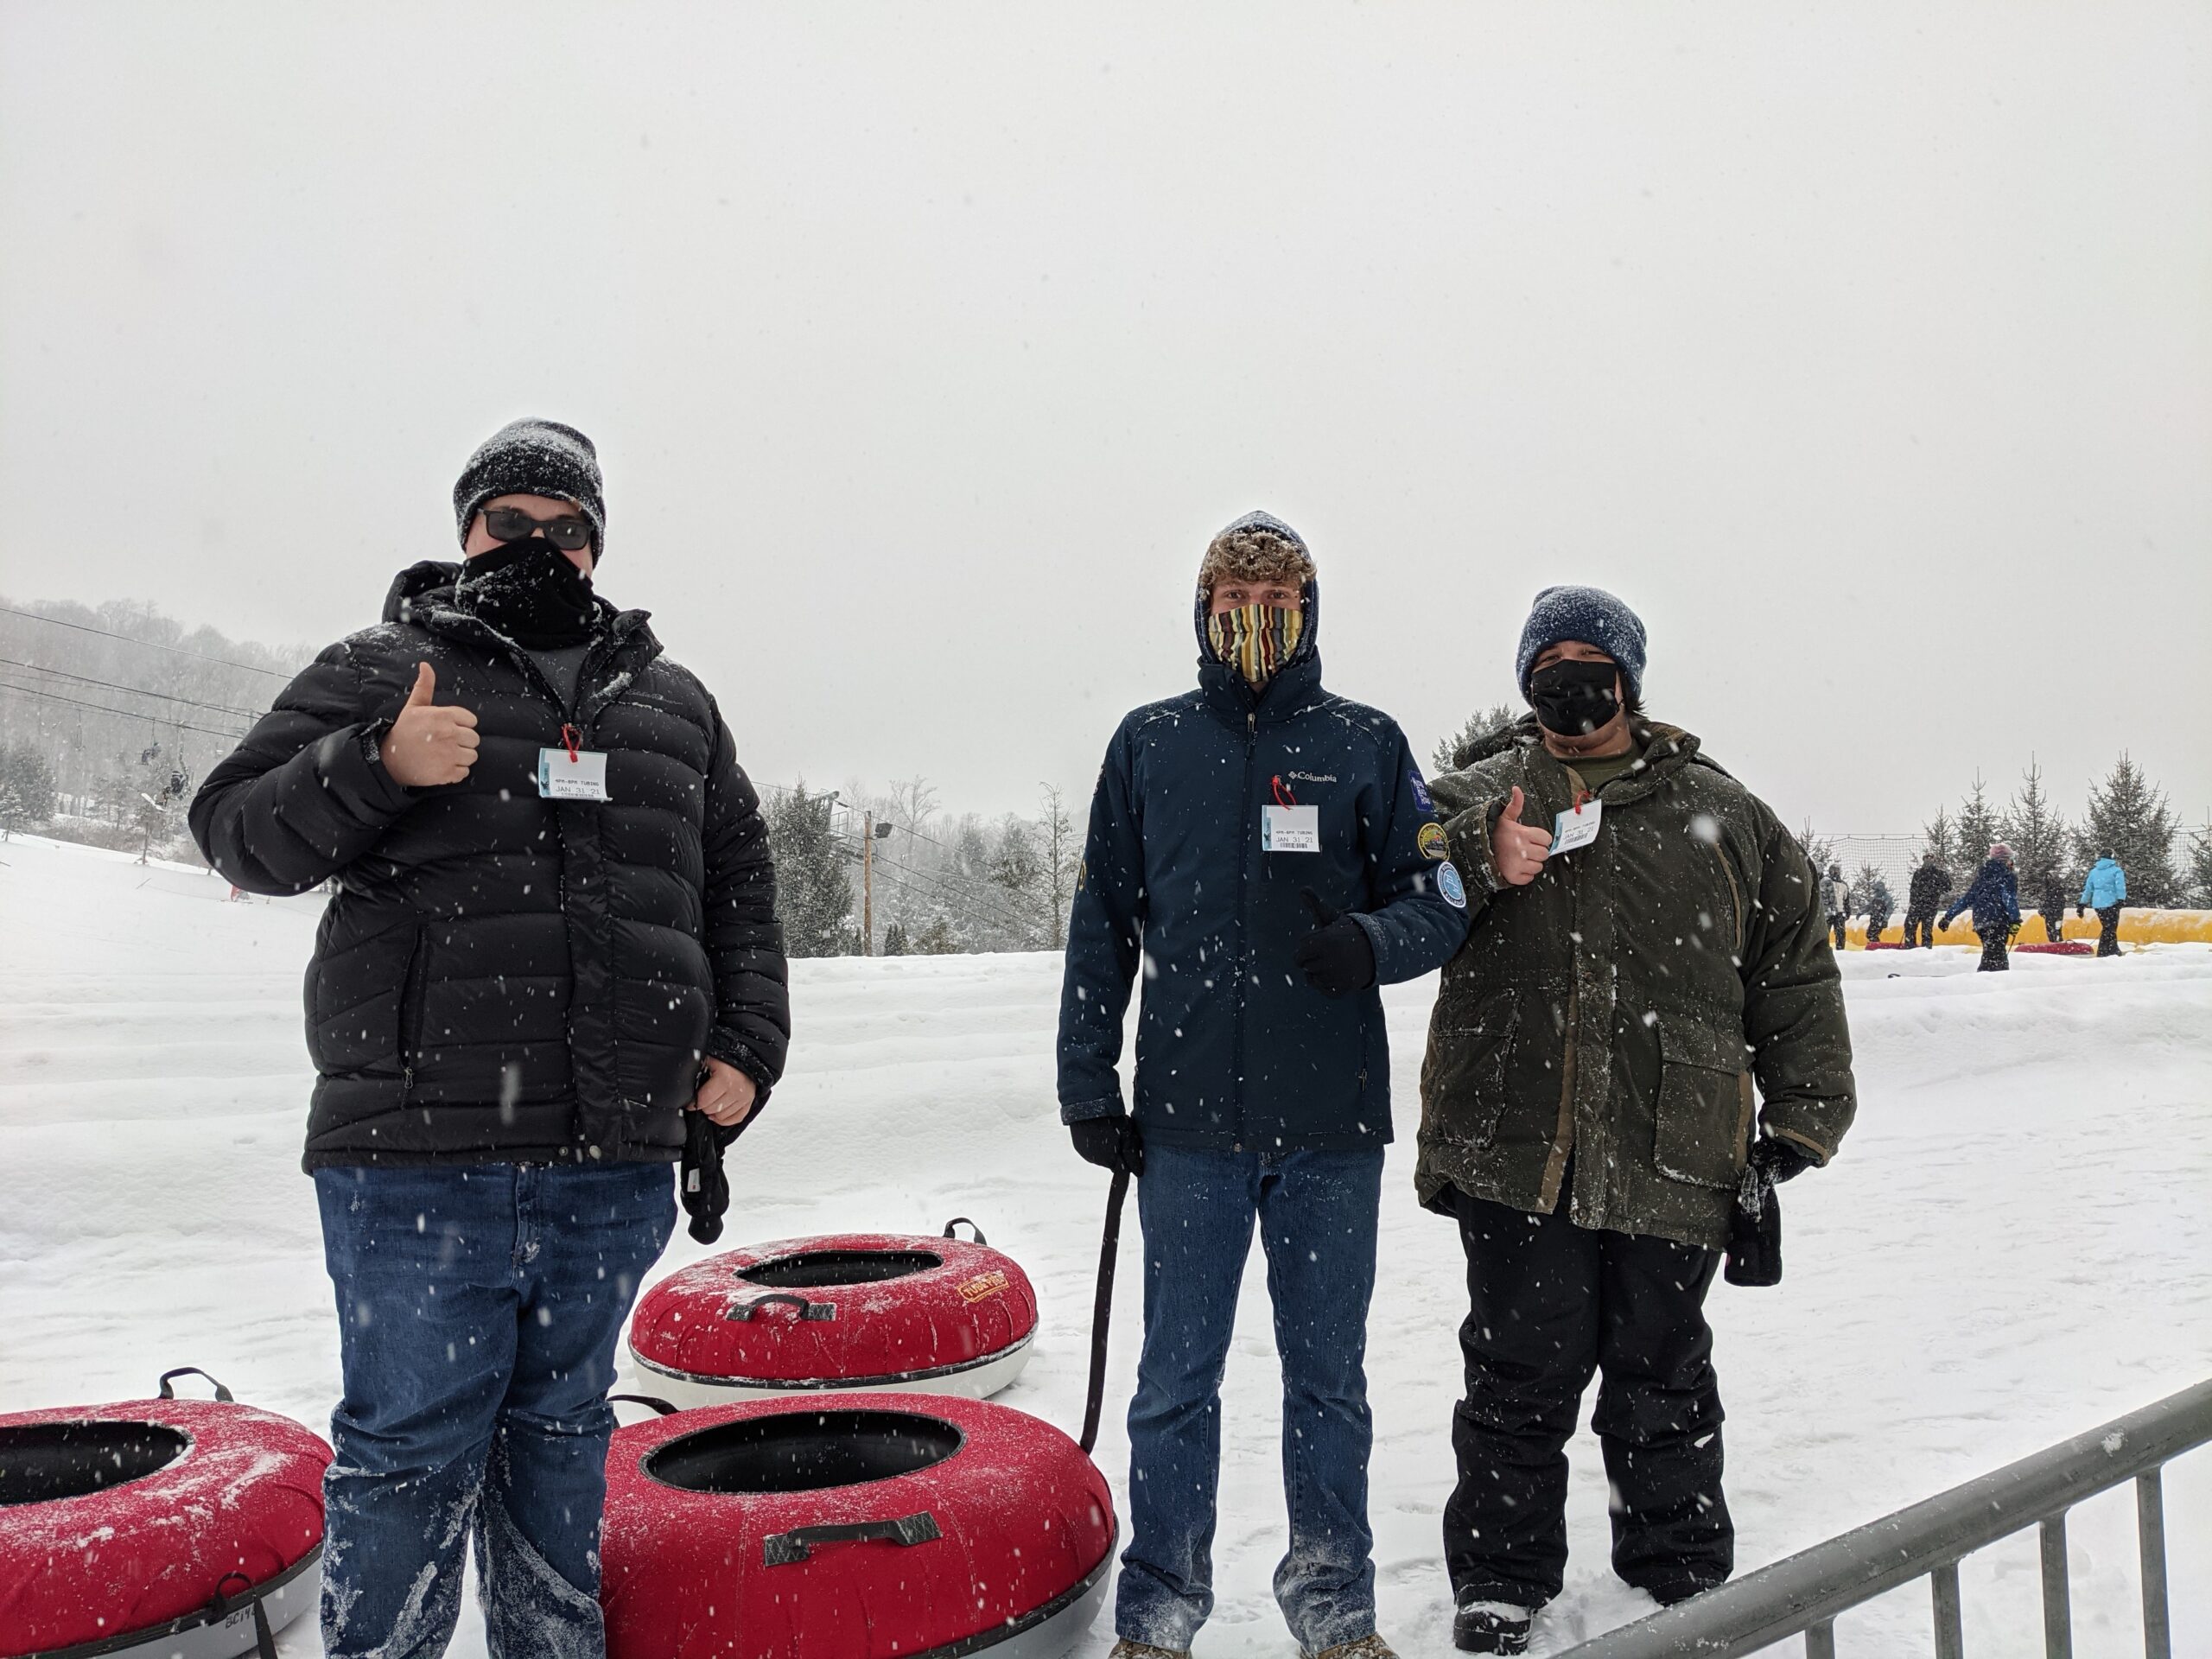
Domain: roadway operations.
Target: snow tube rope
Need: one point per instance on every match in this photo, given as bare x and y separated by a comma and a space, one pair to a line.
1109, 1249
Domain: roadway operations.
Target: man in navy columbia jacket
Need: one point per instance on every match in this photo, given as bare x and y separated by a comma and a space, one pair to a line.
1264, 855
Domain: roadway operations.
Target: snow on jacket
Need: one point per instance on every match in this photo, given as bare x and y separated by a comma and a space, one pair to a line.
2106, 885
1234, 1048
1615, 1013
1836, 895
1994, 897
1929, 883
500, 976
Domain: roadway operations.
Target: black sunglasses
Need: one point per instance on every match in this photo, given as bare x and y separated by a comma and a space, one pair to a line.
569, 532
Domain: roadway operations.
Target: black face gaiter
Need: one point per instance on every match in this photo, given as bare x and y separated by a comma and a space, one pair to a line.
1574, 699
529, 591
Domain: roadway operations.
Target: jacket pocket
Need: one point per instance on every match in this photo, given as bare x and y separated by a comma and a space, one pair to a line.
1464, 1075
1704, 1105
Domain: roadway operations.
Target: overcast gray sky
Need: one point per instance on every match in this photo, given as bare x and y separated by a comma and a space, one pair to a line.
1864, 349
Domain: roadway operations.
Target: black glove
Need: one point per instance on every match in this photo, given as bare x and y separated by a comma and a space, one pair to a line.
1336, 957
1109, 1143
1780, 1160
700, 1182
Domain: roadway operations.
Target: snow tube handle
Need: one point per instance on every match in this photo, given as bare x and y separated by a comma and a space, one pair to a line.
654, 1401
785, 1548
955, 1221
744, 1311
222, 1394
264, 1639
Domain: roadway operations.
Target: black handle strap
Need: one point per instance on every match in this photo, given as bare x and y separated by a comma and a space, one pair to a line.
1101, 1313
955, 1221
654, 1400
222, 1394
264, 1639
744, 1311
782, 1548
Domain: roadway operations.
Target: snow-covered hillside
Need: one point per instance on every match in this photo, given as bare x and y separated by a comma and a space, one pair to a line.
2016, 1244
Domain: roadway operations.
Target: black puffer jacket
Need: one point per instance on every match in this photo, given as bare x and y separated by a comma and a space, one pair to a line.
499, 977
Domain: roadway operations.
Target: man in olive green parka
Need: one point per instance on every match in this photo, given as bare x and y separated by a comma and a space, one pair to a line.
1645, 1003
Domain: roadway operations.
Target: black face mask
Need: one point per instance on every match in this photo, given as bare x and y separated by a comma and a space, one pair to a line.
1574, 699
529, 591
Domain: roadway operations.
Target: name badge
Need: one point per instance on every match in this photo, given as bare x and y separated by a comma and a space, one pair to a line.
1576, 827
572, 774
1290, 829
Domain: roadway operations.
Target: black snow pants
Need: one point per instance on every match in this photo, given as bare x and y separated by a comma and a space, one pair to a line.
1549, 1303
1993, 942
1836, 927
2108, 930
2053, 922
1920, 927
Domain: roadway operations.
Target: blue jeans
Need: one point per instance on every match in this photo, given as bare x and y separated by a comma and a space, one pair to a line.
1317, 1213
477, 1309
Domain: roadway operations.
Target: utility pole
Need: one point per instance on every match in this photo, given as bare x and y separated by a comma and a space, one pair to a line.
867, 884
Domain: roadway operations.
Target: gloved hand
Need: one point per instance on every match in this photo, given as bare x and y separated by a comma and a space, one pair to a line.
1336, 957
1780, 1161
1109, 1143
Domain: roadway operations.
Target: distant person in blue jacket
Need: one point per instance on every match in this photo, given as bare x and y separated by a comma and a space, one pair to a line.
1993, 897
1265, 855
2105, 891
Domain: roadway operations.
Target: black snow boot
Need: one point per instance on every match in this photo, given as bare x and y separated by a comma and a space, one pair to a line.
1489, 1627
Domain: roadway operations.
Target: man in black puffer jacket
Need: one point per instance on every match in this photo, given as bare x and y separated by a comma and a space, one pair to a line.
551, 959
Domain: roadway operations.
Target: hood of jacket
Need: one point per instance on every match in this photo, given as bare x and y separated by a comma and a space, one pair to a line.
1666, 749
1295, 684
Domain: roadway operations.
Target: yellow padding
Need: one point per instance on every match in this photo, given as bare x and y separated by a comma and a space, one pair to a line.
2136, 927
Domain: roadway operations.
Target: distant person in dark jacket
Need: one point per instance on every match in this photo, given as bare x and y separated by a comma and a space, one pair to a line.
1931, 882
2051, 901
1994, 900
552, 962
1264, 855
2105, 891
1881, 905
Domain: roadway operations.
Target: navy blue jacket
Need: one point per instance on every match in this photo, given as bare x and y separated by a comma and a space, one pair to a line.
1234, 1048
1994, 897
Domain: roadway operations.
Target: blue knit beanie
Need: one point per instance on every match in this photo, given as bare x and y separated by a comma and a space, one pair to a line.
1594, 617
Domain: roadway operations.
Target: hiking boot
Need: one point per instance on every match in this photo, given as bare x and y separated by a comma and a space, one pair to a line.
1126, 1648
1490, 1627
1368, 1646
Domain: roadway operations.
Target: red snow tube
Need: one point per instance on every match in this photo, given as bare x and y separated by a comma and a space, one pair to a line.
1888, 944
845, 1311
2058, 947
882, 1526
156, 1527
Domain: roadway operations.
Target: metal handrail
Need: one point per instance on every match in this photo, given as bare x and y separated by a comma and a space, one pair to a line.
1802, 1594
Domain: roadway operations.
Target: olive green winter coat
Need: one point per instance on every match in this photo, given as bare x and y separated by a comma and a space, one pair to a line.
1620, 1008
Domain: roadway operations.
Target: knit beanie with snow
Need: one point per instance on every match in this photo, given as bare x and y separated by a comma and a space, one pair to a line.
534, 458
1594, 617
1259, 547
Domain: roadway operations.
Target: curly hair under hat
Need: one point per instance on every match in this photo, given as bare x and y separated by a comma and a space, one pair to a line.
1256, 548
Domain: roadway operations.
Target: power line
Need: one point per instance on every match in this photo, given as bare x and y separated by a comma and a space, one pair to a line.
151, 644
138, 690
128, 714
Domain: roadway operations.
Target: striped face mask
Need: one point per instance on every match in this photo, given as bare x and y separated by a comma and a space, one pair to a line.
1255, 640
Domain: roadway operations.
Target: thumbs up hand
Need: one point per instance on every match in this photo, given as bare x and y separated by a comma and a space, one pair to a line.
427, 745
1517, 848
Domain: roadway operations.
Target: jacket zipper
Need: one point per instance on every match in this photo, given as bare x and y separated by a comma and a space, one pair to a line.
1243, 900
1735, 899
412, 991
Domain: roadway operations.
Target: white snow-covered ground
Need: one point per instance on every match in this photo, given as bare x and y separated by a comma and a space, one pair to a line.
2016, 1245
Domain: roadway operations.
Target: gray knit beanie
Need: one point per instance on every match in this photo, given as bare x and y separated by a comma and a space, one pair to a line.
534, 458
1594, 617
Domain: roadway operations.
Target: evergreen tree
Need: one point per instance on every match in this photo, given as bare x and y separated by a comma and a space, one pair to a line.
1062, 851
2129, 819
2199, 867
2041, 846
814, 892
894, 939
1480, 724
1819, 851
1943, 841
1870, 893
1979, 827
24, 770
13, 817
